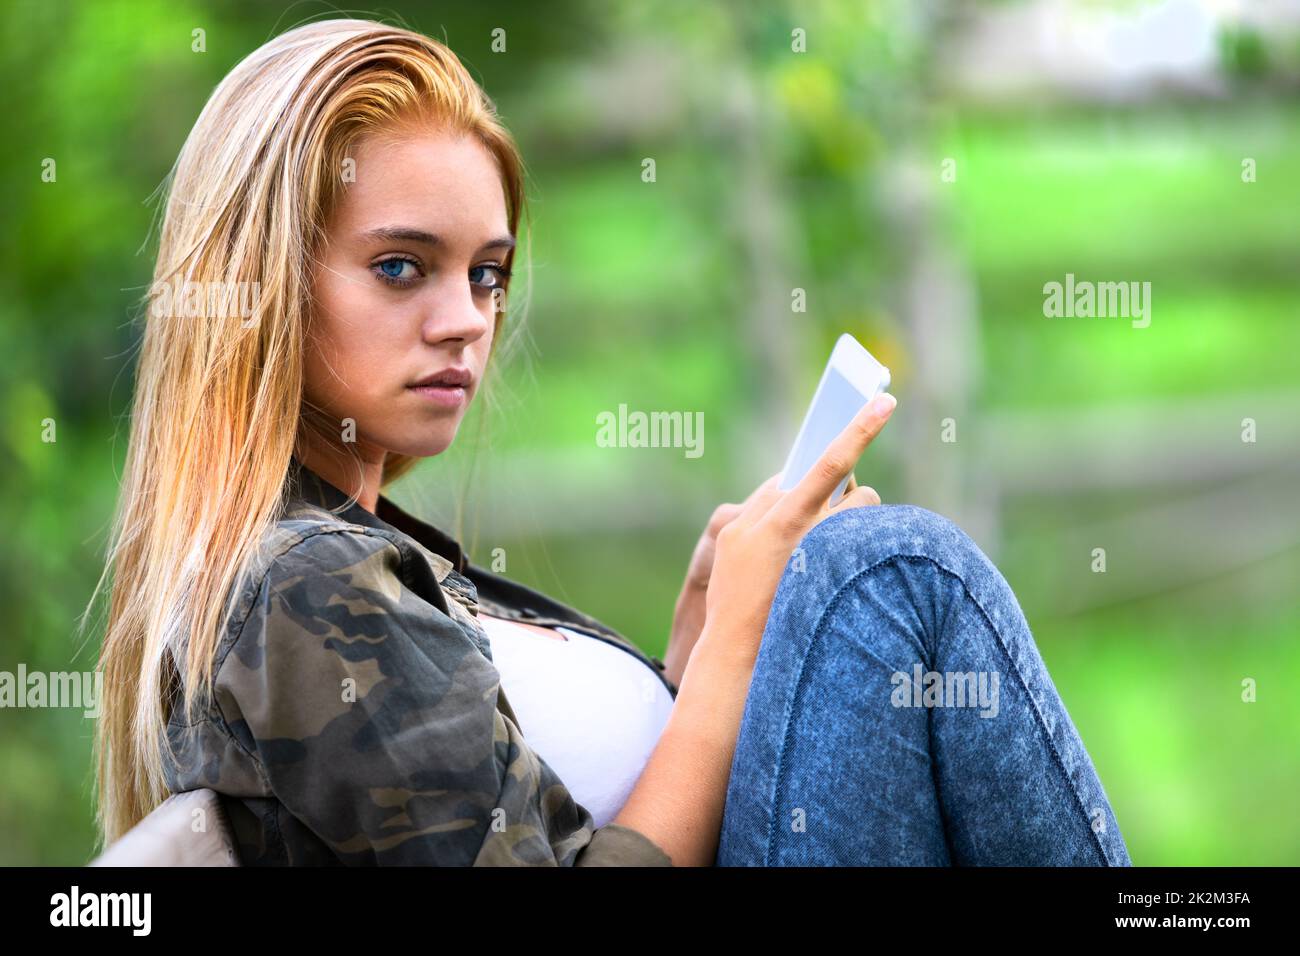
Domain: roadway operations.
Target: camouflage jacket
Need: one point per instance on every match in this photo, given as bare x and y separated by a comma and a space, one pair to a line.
357, 717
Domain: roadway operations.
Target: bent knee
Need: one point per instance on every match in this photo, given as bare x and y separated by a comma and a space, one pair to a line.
868, 535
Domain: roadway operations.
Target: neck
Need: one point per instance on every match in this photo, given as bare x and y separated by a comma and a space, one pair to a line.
357, 471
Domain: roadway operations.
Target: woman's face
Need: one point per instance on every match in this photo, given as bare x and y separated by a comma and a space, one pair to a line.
403, 291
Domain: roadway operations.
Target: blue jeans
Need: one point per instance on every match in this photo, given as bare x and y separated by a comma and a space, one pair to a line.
900, 715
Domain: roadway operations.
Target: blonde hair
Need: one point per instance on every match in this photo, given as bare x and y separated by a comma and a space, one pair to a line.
218, 405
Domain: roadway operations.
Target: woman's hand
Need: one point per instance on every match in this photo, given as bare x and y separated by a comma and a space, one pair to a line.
752, 547
701, 566
739, 562
688, 615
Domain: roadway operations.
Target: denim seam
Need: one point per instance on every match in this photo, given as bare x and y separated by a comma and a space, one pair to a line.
819, 629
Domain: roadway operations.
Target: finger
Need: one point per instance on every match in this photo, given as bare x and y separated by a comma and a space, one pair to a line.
770, 483
809, 497
849, 487
723, 515
860, 497
761, 498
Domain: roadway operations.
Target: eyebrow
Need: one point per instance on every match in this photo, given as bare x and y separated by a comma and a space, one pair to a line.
407, 234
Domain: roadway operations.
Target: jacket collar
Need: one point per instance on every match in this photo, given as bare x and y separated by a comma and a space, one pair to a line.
501, 596
311, 487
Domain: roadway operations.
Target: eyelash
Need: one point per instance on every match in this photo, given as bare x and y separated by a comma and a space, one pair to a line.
377, 267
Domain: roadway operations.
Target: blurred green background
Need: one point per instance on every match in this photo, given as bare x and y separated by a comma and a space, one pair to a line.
920, 170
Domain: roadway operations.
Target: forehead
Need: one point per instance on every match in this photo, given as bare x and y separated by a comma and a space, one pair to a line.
445, 182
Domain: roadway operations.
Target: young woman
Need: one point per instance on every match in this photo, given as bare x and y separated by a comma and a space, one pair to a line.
358, 691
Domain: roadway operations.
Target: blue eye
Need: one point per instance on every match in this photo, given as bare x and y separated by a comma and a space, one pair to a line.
393, 271
496, 278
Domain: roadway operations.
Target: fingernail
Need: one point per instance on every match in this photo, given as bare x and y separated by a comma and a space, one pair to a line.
883, 404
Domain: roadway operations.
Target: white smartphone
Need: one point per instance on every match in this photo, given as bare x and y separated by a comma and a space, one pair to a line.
852, 378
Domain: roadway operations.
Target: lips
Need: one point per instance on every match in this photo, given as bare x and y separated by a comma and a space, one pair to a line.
457, 376
448, 389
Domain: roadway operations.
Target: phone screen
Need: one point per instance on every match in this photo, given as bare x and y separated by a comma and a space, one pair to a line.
834, 406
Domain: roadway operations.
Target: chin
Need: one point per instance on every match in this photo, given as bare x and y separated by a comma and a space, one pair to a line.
434, 442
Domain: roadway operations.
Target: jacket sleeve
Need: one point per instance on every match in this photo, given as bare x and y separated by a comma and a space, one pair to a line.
373, 716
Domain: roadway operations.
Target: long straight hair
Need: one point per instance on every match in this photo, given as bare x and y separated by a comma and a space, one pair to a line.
218, 407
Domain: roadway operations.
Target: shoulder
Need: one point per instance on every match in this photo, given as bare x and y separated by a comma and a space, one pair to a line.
313, 572
328, 601
309, 539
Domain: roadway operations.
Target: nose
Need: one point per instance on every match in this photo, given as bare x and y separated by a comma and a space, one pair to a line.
455, 315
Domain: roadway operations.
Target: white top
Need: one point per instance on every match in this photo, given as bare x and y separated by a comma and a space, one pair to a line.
591, 710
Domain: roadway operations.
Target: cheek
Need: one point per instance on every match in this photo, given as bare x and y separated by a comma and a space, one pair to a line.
345, 356
495, 323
